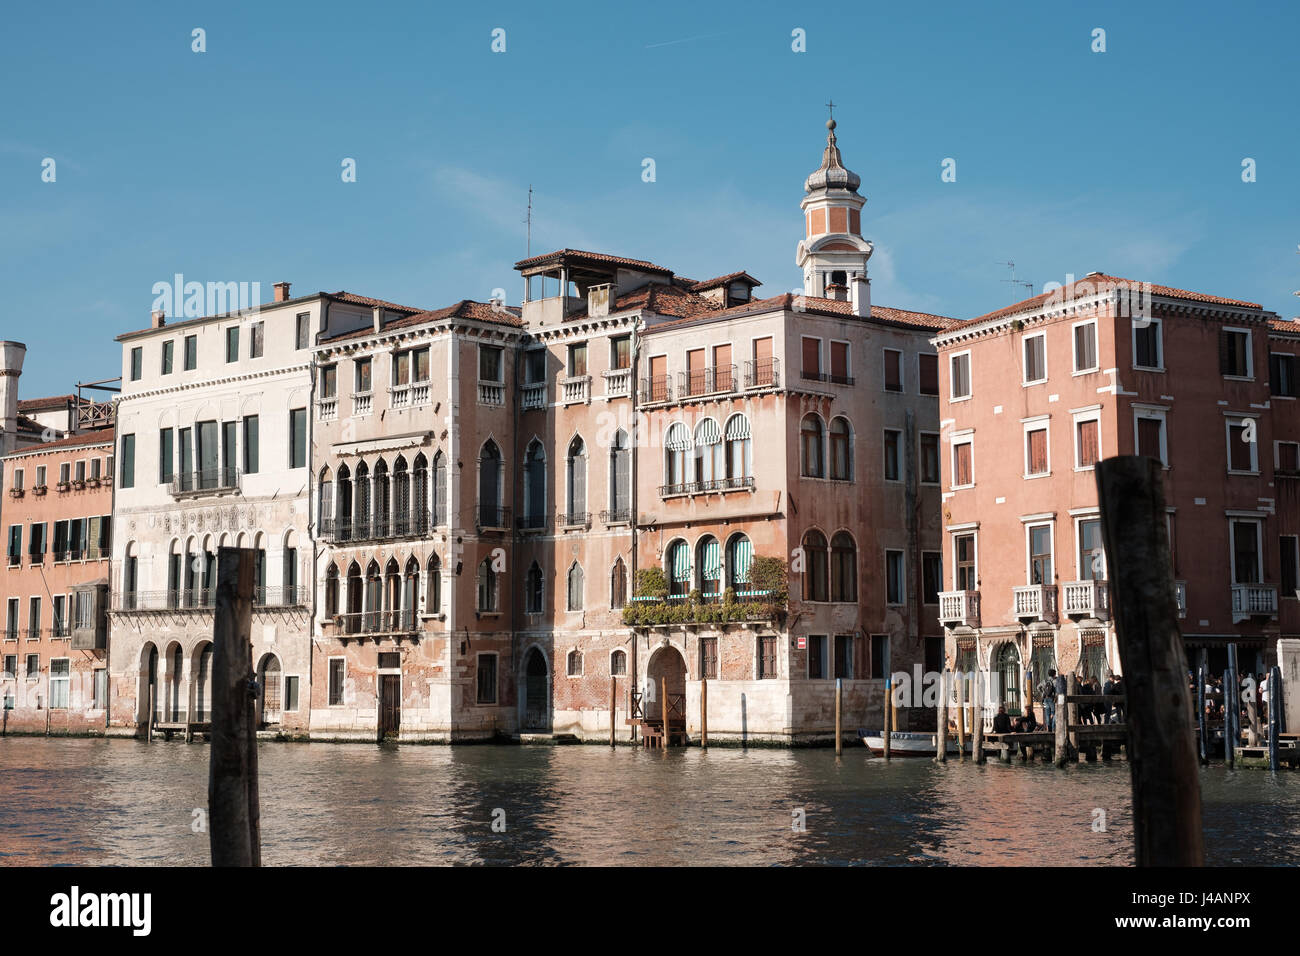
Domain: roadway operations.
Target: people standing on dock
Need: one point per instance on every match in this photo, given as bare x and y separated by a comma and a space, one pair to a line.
1117, 709
1048, 692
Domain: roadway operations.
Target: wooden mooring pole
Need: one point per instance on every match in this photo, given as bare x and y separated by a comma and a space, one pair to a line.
234, 818
839, 702
977, 717
1062, 750
663, 709
961, 716
941, 721
613, 707
1274, 714
1202, 723
704, 713
1232, 704
1162, 757
148, 724
889, 696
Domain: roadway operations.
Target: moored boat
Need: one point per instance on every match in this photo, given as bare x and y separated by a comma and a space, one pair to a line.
905, 743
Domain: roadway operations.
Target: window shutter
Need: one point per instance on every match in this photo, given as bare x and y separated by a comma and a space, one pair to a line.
811, 356
840, 359
929, 374
1089, 453
1038, 451
893, 378
1225, 353
962, 470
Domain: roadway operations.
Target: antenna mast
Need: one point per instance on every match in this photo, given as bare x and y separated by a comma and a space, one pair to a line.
528, 246
1029, 286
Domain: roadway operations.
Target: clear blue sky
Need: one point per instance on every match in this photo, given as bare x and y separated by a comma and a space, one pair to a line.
225, 165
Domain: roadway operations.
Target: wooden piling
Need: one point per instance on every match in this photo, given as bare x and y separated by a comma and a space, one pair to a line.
977, 717
1062, 752
1274, 714
886, 735
1072, 712
839, 701
1229, 751
941, 721
234, 824
1201, 721
1252, 717
1162, 757
1232, 701
613, 707
663, 709
148, 724
704, 713
961, 717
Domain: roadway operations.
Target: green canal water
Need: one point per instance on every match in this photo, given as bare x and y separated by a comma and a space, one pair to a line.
81, 801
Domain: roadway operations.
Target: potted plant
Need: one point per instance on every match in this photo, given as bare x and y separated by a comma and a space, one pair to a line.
63, 486
39, 490
15, 492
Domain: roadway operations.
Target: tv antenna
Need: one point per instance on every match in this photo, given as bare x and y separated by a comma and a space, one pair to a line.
528, 219
1029, 286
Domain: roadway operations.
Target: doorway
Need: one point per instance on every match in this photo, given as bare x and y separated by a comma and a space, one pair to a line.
536, 696
390, 705
666, 672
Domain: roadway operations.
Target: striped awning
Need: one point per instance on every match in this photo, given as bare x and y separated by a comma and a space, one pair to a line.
711, 560
678, 438
737, 427
679, 561
707, 432
742, 556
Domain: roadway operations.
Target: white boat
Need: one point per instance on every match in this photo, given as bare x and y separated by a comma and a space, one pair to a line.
905, 743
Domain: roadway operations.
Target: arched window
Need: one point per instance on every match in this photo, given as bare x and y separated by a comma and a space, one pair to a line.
355, 598
343, 505
489, 486
574, 663
433, 589
575, 587
535, 485
844, 568
576, 466
332, 591
679, 567
812, 456
814, 553
374, 597
740, 456
620, 478
1008, 665
618, 584
708, 458
841, 449
677, 441
410, 594
487, 586
618, 663
440, 488
325, 498
708, 560
533, 591
401, 499
361, 503
740, 555
383, 500
420, 518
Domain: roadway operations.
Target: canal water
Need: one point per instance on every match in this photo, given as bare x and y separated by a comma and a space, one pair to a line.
83, 801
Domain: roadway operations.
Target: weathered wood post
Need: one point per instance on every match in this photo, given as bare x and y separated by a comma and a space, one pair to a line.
1252, 717
704, 713
1062, 750
1201, 723
839, 701
1166, 789
889, 697
961, 717
941, 720
1232, 702
1274, 714
1072, 712
1229, 751
663, 709
977, 717
148, 724
613, 706
234, 822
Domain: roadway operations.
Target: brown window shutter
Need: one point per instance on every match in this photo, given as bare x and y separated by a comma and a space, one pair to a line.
892, 377
1038, 451
1089, 453
962, 469
1149, 437
1226, 364
929, 374
812, 356
840, 359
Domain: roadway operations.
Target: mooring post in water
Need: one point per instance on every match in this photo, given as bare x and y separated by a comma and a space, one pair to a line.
885, 735
941, 721
977, 716
1162, 757
148, 724
1201, 722
1072, 713
1229, 751
704, 713
663, 707
1252, 717
1274, 714
1062, 750
1232, 699
961, 715
613, 706
839, 700
234, 824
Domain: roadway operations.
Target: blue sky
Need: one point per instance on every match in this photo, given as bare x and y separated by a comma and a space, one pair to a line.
225, 165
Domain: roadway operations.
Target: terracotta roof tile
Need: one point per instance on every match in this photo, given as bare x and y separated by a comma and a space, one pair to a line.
353, 299
1289, 326
724, 280
464, 309
54, 401
817, 305
600, 257
102, 436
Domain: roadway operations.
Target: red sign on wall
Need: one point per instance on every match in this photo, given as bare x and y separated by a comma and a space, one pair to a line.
803, 643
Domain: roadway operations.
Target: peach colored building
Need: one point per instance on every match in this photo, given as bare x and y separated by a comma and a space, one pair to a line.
1032, 395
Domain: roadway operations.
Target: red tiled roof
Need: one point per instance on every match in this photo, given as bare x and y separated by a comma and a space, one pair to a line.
1289, 326
350, 298
54, 401
600, 257
817, 305
353, 299
102, 436
464, 309
1088, 284
724, 280
26, 424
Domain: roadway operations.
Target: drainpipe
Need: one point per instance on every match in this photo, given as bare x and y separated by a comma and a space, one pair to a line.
312, 505
453, 500
635, 440
518, 509
912, 508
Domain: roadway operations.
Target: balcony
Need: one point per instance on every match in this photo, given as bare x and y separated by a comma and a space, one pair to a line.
208, 481
535, 522
1253, 600
618, 383
1035, 602
816, 375
619, 516
409, 395
362, 403
376, 623
205, 599
328, 409
1180, 595
1087, 599
717, 380
656, 389
574, 519
763, 373
341, 530
713, 485
533, 396
491, 393
576, 390
492, 519
959, 608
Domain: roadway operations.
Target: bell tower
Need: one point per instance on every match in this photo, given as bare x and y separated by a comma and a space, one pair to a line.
833, 255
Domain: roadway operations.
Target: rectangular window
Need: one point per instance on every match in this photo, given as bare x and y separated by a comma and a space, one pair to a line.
60, 678
892, 441
817, 668
1288, 458
79, 473
99, 689
232, 344
401, 368
709, 658
1281, 375
1151, 438
290, 693
1036, 451
256, 339
11, 667
1245, 552
1085, 347
36, 548
1087, 449
840, 362
620, 352
191, 352
33, 668
302, 331
58, 616
812, 358
487, 679
298, 438
1242, 447
15, 545
1146, 343
229, 451
844, 662
929, 444
964, 550
535, 366
18, 479
168, 354
1092, 556
329, 382
127, 458
894, 585
960, 385
963, 472
337, 671
1289, 565
1234, 353
879, 656
489, 364
893, 370
767, 669
420, 365
578, 360
1035, 358
40, 476
137, 363
931, 576
11, 619
1040, 554
252, 452
927, 368
361, 376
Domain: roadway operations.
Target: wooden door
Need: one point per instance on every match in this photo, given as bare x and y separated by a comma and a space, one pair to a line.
658, 378
390, 704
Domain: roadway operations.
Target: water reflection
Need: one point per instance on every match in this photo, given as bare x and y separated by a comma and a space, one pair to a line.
105, 802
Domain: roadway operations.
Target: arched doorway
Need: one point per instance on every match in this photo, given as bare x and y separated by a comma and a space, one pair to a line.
149, 688
268, 676
536, 695
175, 670
203, 684
666, 672
1008, 668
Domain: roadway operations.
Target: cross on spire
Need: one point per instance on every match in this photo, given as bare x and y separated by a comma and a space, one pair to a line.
830, 107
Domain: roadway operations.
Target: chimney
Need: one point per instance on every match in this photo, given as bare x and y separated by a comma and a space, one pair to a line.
281, 292
11, 367
860, 286
377, 316
157, 319
598, 299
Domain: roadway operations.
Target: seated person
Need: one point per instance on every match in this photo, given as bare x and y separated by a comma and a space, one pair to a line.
1028, 723
1002, 723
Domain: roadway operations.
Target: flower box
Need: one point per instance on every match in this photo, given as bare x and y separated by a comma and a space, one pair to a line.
39, 490
15, 492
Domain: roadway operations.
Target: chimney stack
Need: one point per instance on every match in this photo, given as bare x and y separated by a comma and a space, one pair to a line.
157, 319
281, 292
860, 286
11, 367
